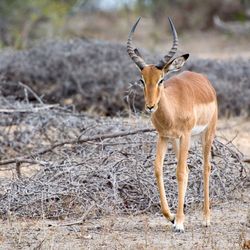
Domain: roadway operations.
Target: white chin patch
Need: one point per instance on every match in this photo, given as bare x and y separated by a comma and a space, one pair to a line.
150, 111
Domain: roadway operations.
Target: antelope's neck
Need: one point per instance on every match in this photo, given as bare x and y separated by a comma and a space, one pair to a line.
162, 118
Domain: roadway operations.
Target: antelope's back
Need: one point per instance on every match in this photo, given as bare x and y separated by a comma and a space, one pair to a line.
192, 85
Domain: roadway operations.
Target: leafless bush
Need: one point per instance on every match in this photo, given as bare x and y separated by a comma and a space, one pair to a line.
96, 75
107, 174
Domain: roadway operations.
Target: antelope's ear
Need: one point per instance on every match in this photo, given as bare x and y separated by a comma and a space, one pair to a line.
176, 64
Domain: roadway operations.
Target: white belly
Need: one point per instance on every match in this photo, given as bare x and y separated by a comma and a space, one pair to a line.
198, 129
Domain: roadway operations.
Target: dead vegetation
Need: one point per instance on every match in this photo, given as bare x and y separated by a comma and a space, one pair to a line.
99, 165
96, 76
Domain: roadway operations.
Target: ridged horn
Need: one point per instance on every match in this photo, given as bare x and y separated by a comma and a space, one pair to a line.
173, 50
132, 52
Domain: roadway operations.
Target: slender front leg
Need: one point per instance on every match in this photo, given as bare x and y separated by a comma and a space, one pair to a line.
160, 154
176, 148
182, 178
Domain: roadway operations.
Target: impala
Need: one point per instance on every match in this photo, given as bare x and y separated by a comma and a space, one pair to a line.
180, 107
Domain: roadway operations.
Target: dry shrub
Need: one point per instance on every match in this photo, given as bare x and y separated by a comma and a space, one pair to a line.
95, 75
108, 175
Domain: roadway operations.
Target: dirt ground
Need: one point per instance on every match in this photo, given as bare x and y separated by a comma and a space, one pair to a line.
229, 230
230, 227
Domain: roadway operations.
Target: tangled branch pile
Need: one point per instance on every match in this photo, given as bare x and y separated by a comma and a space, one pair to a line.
95, 75
108, 173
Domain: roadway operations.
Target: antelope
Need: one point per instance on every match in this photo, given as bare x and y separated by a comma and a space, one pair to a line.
181, 107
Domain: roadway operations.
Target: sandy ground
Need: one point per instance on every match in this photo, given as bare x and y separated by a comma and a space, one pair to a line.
229, 230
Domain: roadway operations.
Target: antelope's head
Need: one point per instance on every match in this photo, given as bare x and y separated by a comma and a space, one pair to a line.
152, 76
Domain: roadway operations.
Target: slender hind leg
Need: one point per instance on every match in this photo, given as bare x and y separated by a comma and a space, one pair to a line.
176, 147
160, 154
207, 140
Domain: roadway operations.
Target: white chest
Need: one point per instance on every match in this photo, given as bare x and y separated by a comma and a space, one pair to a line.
198, 129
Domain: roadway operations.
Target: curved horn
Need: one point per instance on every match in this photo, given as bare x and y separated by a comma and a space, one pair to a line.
173, 50
133, 52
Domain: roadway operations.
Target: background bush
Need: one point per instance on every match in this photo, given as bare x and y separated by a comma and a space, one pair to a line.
96, 75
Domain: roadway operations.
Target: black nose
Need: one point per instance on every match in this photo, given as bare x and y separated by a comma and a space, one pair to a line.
150, 107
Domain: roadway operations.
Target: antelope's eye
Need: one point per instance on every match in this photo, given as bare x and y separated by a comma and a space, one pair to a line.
160, 82
141, 82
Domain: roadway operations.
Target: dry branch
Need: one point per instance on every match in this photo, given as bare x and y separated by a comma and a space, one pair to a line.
31, 91
28, 110
23, 159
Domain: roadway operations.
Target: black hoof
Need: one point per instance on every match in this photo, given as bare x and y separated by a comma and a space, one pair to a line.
173, 220
177, 230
